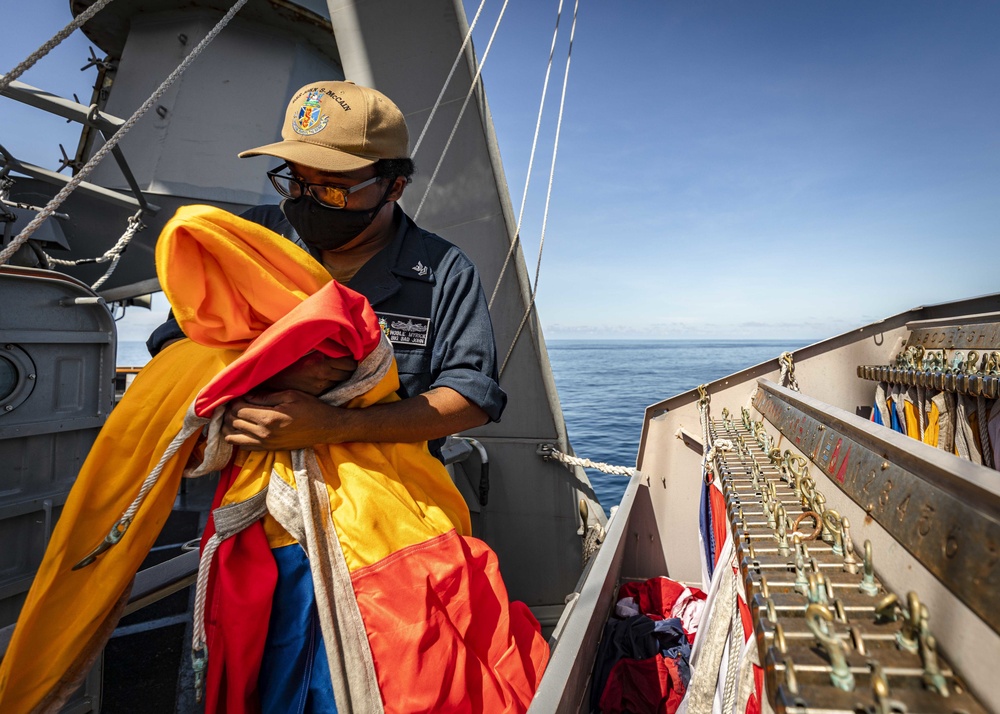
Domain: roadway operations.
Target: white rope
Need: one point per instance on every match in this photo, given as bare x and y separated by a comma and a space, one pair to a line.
703, 413
531, 161
921, 404
704, 416
447, 81
120, 247
882, 405
964, 444
371, 369
192, 424
732, 662
723, 445
710, 452
199, 637
588, 464
899, 404
548, 195
461, 113
948, 421
6, 79
114, 254
787, 372
113, 141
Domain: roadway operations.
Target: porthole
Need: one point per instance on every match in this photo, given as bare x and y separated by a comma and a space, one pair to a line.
17, 377
8, 378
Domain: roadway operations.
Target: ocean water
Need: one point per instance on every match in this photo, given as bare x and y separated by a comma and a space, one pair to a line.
132, 354
605, 386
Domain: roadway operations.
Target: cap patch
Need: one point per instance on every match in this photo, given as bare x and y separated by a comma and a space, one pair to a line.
310, 118
338, 126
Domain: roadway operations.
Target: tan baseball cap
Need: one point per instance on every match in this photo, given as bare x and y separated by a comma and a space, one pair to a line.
339, 126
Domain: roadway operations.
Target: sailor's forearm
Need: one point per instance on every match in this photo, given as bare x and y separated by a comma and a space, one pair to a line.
432, 415
294, 420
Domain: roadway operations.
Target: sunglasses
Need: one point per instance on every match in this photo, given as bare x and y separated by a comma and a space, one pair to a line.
329, 196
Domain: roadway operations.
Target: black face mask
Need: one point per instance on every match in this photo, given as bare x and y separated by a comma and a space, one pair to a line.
323, 228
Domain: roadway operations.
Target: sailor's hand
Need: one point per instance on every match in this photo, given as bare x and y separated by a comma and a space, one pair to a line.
277, 421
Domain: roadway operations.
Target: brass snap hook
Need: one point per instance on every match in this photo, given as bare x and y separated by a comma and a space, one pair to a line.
111, 539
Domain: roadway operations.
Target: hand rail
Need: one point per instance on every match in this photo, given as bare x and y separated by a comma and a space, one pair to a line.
151, 585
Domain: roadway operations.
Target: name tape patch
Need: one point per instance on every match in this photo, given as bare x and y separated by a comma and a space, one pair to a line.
405, 329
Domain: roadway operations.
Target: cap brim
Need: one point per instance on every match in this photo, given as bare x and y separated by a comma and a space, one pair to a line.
321, 158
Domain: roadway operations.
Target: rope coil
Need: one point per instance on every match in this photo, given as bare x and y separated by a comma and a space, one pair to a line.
787, 376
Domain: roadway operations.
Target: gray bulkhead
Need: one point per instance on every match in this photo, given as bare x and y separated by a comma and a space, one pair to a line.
57, 365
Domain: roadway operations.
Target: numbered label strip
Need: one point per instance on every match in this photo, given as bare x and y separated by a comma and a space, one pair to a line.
980, 336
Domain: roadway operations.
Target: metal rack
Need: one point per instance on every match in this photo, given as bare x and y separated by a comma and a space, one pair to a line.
964, 359
830, 635
974, 384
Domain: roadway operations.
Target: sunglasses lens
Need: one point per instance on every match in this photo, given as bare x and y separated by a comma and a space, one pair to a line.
286, 186
329, 196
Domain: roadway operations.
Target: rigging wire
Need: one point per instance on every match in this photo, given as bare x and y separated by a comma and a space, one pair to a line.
447, 81
30, 60
531, 160
113, 140
461, 113
548, 195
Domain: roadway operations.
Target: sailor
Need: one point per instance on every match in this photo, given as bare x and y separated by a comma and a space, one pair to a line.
306, 551
345, 152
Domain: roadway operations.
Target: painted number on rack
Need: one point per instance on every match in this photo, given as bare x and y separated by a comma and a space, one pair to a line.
883, 498
951, 544
926, 518
868, 482
902, 507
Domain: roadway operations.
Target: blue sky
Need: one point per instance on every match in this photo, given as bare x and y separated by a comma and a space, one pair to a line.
725, 169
